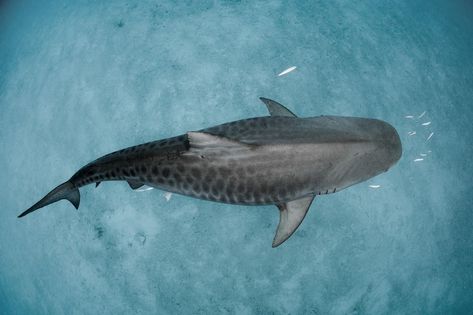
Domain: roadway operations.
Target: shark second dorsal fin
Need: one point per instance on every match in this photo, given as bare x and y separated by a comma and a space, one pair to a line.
291, 215
134, 185
276, 109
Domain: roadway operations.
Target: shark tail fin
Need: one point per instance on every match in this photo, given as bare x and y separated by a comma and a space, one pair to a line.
66, 190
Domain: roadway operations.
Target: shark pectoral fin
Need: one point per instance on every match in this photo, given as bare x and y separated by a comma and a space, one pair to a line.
276, 109
291, 215
134, 184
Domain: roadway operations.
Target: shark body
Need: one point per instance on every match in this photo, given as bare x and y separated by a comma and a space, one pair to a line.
281, 160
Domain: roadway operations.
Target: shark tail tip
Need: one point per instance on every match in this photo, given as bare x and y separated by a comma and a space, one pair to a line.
64, 191
22, 214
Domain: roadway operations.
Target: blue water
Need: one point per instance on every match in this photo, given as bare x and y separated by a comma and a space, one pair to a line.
79, 79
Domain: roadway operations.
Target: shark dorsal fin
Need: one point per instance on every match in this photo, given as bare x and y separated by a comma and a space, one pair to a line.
291, 215
207, 140
134, 184
276, 109
205, 144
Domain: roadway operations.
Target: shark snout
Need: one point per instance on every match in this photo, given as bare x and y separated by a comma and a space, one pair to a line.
392, 144
397, 145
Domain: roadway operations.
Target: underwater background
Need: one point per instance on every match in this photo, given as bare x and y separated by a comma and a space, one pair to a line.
79, 79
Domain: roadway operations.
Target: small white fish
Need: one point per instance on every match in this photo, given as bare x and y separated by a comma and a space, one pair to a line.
287, 71
375, 186
144, 188
168, 196
430, 136
411, 133
409, 116
426, 123
423, 154
422, 115
418, 160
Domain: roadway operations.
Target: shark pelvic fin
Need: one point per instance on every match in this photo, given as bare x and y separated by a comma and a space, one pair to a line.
134, 185
97, 184
291, 215
276, 109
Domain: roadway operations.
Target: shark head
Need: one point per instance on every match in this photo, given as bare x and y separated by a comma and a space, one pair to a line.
368, 147
385, 147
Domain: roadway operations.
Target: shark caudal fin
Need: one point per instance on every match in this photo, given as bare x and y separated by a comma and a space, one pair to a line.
64, 191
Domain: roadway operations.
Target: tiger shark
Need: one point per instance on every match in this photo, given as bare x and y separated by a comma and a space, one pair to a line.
279, 159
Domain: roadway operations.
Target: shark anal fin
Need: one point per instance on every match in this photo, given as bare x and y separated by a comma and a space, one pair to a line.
291, 215
276, 109
134, 184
